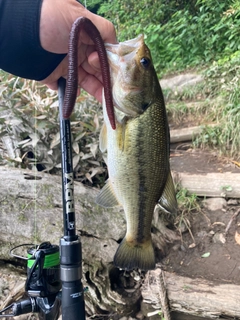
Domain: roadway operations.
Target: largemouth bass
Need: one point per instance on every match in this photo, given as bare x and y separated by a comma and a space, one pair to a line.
137, 151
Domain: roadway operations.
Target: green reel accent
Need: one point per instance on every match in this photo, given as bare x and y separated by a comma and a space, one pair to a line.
50, 260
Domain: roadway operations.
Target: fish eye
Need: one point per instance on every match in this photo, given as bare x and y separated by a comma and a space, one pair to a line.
145, 62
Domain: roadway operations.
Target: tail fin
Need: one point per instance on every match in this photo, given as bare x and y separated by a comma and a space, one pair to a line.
129, 257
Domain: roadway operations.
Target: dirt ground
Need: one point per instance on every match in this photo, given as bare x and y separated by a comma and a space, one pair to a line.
216, 253
184, 158
222, 253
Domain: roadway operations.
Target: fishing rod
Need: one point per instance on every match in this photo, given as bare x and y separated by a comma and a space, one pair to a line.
46, 288
70, 245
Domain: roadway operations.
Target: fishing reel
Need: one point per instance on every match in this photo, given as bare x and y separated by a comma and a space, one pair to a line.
42, 284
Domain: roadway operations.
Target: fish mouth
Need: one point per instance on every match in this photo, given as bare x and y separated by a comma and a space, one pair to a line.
123, 48
123, 51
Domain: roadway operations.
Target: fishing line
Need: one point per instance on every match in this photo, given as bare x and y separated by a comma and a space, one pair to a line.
35, 168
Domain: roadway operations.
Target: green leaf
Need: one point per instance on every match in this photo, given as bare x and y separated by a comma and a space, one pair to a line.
205, 255
227, 188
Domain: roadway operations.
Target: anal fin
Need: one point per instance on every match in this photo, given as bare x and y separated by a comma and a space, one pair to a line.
168, 201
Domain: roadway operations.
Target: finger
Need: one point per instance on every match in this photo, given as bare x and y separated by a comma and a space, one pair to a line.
90, 83
104, 26
94, 62
60, 71
52, 86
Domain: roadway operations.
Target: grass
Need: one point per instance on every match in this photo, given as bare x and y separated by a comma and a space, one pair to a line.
187, 202
187, 113
223, 81
215, 101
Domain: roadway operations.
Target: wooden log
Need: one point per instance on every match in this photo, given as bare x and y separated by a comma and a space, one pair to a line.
197, 296
184, 134
31, 209
226, 185
31, 212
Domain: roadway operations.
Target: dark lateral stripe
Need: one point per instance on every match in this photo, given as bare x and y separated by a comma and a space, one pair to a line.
154, 116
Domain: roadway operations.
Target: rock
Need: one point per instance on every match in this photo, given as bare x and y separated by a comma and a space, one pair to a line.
232, 202
219, 238
140, 315
214, 204
179, 82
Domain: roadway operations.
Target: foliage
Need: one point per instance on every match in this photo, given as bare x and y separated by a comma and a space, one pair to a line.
187, 203
223, 81
29, 130
92, 5
179, 33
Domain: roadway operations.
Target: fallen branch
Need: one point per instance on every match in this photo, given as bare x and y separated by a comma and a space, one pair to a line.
163, 296
231, 221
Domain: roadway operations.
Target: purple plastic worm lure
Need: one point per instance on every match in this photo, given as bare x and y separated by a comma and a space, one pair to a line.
85, 24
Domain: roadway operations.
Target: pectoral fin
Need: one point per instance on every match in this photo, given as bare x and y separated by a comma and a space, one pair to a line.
103, 138
168, 201
106, 197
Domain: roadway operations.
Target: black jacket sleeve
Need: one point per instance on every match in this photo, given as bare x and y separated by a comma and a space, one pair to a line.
20, 49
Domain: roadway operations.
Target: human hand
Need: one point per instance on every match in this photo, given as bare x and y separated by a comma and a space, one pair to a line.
57, 17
